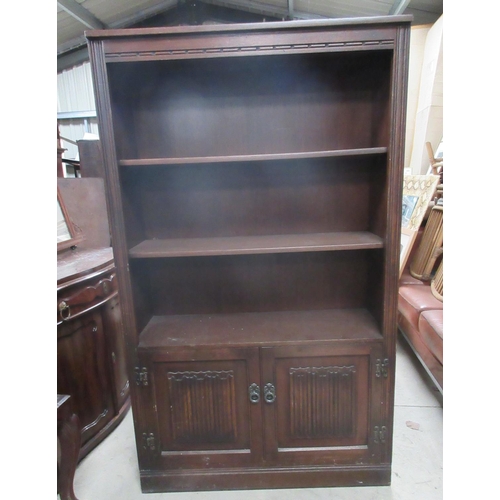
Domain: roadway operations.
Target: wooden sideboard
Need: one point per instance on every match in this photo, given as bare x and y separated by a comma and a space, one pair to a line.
90, 344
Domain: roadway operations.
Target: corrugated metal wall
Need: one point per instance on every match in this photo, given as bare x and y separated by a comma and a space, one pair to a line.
75, 107
75, 91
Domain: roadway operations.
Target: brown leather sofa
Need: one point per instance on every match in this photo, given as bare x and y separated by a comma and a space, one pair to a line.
420, 320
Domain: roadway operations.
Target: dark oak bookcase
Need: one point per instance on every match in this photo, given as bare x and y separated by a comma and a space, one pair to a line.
254, 178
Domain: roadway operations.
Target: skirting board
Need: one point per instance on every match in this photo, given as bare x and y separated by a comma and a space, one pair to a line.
264, 478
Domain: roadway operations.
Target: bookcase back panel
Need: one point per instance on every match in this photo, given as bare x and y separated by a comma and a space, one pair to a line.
255, 283
254, 105
256, 198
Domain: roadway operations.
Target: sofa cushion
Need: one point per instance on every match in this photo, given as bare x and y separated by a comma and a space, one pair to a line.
430, 326
429, 361
415, 299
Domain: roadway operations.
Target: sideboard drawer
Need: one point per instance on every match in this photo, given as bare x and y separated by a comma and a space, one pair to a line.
75, 301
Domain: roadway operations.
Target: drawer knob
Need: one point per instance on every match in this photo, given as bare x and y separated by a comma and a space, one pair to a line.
64, 310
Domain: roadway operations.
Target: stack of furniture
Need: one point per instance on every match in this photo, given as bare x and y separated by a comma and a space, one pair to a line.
254, 179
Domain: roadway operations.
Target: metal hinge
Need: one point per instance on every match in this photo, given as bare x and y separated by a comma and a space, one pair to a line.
379, 434
141, 376
148, 441
382, 368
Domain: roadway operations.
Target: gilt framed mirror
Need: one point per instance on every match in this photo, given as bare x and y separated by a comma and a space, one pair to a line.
418, 191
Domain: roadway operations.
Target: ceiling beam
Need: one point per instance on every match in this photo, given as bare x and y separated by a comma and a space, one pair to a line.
81, 14
398, 7
143, 14
263, 8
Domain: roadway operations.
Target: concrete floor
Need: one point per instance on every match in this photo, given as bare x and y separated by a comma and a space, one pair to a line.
110, 471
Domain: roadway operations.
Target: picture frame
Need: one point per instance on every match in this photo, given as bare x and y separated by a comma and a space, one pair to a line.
67, 234
408, 237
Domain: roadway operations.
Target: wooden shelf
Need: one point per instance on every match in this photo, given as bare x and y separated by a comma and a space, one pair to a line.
143, 162
260, 329
240, 245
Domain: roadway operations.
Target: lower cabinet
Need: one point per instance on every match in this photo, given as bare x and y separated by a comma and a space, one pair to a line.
259, 415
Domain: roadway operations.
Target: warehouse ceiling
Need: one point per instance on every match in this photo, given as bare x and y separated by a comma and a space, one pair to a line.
74, 17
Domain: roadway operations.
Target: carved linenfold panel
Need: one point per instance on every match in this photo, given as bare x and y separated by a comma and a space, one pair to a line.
202, 406
322, 401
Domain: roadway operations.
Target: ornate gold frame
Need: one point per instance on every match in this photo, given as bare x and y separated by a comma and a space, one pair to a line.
423, 188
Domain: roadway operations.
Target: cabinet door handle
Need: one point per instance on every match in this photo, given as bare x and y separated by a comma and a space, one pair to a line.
254, 393
269, 393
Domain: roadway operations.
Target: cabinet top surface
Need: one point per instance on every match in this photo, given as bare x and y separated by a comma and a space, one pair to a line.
261, 328
82, 262
242, 27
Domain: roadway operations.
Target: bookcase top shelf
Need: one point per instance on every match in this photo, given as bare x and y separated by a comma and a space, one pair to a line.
339, 153
239, 245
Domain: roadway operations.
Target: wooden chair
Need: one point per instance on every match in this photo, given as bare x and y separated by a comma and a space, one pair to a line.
68, 446
437, 283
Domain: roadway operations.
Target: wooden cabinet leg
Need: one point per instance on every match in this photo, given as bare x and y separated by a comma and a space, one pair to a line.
69, 439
